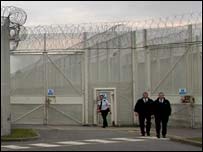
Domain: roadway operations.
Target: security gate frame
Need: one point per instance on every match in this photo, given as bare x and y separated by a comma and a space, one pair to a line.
45, 101
113, 117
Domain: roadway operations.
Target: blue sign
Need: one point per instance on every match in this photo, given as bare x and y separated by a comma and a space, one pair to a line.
50, 92
182, 91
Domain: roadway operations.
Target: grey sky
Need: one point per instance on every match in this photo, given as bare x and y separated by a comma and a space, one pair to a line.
62, 12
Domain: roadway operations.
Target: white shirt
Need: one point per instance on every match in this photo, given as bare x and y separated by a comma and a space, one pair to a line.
161, 100
105, 104
145, 100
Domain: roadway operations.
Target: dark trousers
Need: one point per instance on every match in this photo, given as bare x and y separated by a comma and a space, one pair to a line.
161, 121
142, 123
104, 114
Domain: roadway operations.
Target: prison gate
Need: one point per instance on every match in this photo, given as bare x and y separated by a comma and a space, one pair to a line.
128, 57
29, 96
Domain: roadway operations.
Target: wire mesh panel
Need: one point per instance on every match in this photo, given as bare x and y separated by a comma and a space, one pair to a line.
64, 77
27, 89
31, 78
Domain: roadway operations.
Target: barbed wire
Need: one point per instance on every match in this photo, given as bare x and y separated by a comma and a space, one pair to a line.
87, 35
17, 17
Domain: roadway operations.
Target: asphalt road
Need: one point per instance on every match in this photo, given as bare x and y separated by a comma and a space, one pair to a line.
102, 139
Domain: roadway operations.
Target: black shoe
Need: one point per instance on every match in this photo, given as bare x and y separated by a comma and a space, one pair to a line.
103, 126
148, 134
158, 136
164, 136
142, 134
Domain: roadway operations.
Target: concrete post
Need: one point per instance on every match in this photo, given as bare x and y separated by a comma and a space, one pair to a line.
5, 79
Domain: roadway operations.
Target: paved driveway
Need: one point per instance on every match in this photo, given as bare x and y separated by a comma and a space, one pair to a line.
95, 139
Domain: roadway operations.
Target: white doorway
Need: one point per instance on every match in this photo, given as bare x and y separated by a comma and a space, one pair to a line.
110, 94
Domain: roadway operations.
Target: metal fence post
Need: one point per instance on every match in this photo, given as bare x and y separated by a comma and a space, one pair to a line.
193, 114
45, 82
189, 61
134, 70
147, 61
85, 79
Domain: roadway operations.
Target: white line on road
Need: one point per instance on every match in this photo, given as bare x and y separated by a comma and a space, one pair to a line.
72, 142
127, 139
100, 141
83, 142
44, 145
148, 137
14, 147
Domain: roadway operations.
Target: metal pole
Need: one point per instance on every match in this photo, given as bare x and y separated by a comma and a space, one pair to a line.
148, 62
198, 67
108, 63
97, 62
119, 59
190, 52
193, 114
83, 87
134, 70
188, 61
45, 82
172, 72
85, 79
158, 76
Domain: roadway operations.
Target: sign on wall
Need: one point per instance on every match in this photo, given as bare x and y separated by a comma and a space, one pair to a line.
182, 91
50, 92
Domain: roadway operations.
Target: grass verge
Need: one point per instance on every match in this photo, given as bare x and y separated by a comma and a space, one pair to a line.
19, 134
199, 139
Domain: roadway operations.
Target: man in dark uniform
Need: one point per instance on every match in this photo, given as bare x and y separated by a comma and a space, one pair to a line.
162, 111
143, 109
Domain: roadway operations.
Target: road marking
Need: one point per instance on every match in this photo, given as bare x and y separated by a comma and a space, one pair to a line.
83, 142
148, 137
163, 138
153, 137
15, 147
45, 145
72, 142
100, 141
127, 139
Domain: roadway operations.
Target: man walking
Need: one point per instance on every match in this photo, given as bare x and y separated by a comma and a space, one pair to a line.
104, 108
143, 109
162, 111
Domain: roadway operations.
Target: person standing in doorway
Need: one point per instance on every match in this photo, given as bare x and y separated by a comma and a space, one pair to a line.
103, 107
162, 111
143, 109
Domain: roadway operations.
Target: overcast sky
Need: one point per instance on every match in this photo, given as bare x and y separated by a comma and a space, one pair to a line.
62, 12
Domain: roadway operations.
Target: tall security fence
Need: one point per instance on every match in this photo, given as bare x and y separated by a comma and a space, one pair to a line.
122, 59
